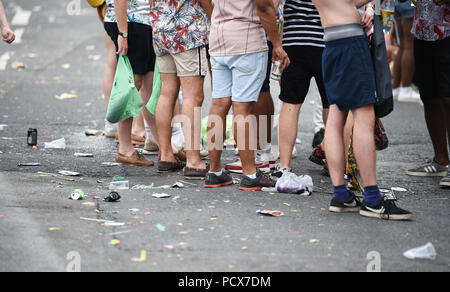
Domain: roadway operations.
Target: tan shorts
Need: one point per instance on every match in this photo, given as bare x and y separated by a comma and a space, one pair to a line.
187, 64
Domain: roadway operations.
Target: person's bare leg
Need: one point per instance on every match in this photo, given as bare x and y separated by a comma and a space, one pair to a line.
124, 128
408, 65
146, 92
111, 66
446, 102
397, 71
138, 128
169, 94
265, 109
219, 108
288, 131
193, 97
334, 144
436, 111
246, 154
364, 144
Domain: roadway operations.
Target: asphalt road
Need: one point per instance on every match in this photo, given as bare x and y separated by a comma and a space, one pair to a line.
204, 230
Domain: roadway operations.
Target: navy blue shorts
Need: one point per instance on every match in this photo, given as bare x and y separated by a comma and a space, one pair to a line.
348, 73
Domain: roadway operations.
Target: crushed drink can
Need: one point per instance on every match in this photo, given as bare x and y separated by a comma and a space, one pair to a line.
32, 137
77, 195
276, 72
112, 197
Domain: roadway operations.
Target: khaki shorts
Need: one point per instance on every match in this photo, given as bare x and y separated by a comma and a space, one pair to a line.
187, 64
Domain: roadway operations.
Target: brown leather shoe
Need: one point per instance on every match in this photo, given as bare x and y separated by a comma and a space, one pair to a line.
167, 166
137, 159
195, 173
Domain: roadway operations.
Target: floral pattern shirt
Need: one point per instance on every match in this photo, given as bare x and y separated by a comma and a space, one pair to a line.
138, 11
178, 26
431, 21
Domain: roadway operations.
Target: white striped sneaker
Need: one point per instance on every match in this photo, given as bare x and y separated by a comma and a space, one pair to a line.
431, 169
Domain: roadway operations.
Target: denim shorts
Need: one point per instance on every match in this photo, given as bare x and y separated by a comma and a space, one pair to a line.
239, 77
404, 10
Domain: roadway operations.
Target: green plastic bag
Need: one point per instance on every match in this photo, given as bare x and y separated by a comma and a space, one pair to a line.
126, 101
156, 93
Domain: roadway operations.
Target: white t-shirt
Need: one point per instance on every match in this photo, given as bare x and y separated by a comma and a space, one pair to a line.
138, 12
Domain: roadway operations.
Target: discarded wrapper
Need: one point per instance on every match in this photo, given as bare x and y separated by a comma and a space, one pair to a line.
57, 144
84, 155
270, 213
28, 164
161, 196
69, 173
93, 133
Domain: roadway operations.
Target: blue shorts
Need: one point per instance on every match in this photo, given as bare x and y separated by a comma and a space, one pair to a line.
404, 10
348, 73
239, 77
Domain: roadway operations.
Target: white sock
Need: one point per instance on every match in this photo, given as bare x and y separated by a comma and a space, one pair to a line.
217, 173
253, 176
149, 133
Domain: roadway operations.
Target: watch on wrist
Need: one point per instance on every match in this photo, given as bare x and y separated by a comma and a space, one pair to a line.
124, 34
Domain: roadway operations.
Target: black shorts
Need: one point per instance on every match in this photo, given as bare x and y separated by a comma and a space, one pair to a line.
140, 46
266, 84
306, 62
433, 68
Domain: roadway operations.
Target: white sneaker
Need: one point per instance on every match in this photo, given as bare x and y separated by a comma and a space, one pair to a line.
396, 92
408, 94
110, 129
236, 167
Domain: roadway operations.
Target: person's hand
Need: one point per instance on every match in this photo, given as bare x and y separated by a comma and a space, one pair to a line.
367, 19
123, 45
8, 35
279, 54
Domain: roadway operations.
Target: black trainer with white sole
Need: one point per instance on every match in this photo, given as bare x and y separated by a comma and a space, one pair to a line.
385, 209
353, 205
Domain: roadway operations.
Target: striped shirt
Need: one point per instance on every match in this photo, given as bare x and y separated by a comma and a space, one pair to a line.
302, 25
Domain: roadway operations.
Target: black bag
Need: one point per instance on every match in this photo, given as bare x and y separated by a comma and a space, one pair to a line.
385, 98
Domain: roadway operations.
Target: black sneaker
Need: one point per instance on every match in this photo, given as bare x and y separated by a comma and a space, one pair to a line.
261, 181
325, 170
385, 209
353, 205
214, 181
318, 156
318, 138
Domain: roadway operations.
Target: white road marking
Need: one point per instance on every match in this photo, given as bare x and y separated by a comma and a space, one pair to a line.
22, 18
19, 33
4, 60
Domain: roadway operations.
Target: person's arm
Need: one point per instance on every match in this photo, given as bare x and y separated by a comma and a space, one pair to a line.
7, 33
267, 16
208, 6
276, 3
121, 8
361, 3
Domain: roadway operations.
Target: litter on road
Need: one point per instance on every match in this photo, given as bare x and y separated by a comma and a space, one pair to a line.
270, 213
423, 252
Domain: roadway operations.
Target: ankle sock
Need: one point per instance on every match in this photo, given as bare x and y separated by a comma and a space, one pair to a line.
253, 176
341, 193
372, 195
217, 173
